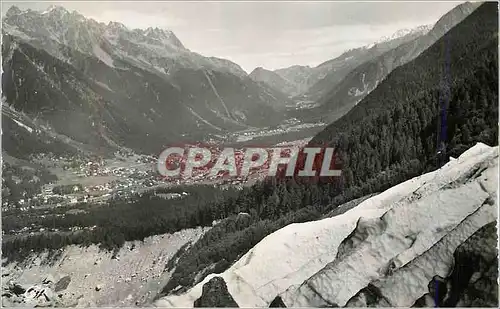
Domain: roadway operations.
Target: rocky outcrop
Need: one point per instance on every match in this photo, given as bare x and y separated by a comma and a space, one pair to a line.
62, 284
480, 251
215, 294
277, 303
37, 295
473, 281
136, 278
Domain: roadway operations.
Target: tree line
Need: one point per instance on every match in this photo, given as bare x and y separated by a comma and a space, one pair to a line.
389, 137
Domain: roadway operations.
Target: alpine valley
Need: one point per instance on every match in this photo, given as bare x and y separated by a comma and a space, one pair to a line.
88, 221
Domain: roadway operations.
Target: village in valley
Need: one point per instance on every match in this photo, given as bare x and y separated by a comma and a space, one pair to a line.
96, 181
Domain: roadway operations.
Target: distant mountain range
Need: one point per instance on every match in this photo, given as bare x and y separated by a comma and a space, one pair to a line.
335, 86
97, 87
106, 86
358, 83
410, 222
309, 83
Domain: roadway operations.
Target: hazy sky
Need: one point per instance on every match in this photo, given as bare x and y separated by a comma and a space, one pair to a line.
267, 34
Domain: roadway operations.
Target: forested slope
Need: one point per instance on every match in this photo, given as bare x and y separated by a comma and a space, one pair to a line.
389, 137
450, 90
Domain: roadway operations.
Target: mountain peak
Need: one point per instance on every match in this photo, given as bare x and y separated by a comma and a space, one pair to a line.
258, 69
162, 35
158, 32
116, 26
13, 10
454, 16
296, 67
55, 9
423, 29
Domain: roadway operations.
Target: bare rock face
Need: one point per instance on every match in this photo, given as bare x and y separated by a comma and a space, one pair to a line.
49, 279
473, 281
17, 289
277, 303
39, 296
480, 252
215, 294
62, 284
46, 293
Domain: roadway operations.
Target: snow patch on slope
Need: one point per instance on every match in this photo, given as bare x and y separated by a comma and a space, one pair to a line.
406, 221
102, 55
356, 92
203, 119
424, 29
216, 93
15, 31
23, 126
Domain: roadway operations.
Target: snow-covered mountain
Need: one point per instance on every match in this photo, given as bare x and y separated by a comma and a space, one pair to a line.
420, 30
338, 98
387, 251
309, 83
108, 86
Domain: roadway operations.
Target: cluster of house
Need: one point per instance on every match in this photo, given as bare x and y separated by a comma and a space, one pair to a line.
44, 198
32, 229
127, 184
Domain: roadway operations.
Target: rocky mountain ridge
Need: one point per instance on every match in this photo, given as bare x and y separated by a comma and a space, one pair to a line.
148, 48
108, 87
358, 83
309, 83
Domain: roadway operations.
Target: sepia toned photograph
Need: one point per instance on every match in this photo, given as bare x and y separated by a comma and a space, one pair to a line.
249, 154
